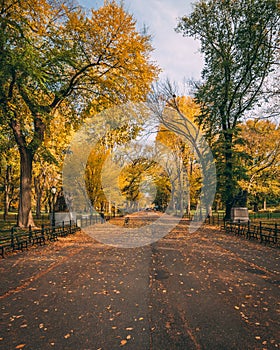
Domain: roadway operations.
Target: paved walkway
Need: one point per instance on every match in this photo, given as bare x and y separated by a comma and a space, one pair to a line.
204, 290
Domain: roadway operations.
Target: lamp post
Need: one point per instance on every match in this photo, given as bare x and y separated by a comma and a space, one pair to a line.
53, 192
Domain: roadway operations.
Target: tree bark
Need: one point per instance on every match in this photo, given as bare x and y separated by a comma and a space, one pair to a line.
228, 175
27, 152
39, 185
39, 194
7, 187
25, 218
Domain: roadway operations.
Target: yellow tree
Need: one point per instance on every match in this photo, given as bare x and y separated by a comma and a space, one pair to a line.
93, 174
101, 171
261, 159
135, 181
48, 161
185, 177
54, 56
9, 171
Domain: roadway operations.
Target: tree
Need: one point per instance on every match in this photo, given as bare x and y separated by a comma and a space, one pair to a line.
179, 152
48, 161
163, 190
93, 174
239, 43
137, 175
177, 114
261, 150
55, 58
9, 170
114, 128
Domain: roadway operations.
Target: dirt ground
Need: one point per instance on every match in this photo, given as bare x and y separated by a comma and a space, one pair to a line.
205, 290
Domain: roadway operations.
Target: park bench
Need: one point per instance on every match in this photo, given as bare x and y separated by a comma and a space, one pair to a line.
71, 228
60, 231
50, 233
253, 231
76, 228
38, 237
266, 234
269, 234
19, 239
14, 240
126, 221
228, 227
239, 222
6, 242
241, 229
236, 228
22, 239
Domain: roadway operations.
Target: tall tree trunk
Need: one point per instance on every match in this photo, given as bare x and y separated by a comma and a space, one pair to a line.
38, 204
39, 185
173, 204
188, 187
6, 205
25, 217
27, 152
7, 187
228, 175
180, 175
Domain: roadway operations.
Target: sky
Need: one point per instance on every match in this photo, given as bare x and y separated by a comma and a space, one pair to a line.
177, 56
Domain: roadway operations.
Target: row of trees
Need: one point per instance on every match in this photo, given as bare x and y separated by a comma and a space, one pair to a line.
143, 182
60, 65
173, 174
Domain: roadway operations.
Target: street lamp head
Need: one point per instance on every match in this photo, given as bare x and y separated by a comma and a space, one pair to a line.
53, 190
